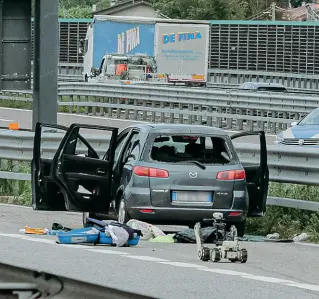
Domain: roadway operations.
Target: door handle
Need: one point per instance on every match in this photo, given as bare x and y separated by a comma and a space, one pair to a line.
100, 171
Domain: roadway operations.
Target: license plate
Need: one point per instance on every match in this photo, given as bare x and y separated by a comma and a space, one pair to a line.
192, 197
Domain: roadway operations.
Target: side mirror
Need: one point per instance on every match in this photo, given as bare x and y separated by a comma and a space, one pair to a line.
294, 123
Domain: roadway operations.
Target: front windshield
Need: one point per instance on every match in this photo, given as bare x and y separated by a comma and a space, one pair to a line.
311, 119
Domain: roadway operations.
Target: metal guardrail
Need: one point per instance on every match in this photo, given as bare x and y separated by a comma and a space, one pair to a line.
49, 285
18, 146
226, 109
236, 86
290, 80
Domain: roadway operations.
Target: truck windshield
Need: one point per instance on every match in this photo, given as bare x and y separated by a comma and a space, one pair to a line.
185, 149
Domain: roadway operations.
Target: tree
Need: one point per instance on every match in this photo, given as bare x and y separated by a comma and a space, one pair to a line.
202, 9
80, 8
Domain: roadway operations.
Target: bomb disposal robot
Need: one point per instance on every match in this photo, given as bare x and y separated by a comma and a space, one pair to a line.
227, 245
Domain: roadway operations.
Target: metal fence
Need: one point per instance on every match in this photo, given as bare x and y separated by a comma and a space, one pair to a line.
17, 146
226, 109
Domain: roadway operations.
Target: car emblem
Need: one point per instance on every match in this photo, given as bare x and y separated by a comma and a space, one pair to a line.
301, 142
193, 175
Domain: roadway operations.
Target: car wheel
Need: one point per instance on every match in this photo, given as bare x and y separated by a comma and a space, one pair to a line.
122, 216
241, 228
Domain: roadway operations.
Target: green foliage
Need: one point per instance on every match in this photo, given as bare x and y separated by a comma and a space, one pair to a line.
20, 190
80, 8
298, 3
76, 12
286, 221
202, 9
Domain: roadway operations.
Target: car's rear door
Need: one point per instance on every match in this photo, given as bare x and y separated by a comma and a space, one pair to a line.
257, 174
83, 177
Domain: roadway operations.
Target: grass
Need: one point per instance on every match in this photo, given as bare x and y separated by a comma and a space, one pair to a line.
288, 222
20, 191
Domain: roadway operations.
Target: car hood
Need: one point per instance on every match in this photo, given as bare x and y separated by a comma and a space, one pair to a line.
302, 132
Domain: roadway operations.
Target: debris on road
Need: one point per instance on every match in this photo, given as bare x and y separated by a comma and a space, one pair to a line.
35, 231
149, 231
164, 239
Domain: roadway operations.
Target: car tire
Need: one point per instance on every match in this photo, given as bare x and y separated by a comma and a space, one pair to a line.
241, 228
122, 215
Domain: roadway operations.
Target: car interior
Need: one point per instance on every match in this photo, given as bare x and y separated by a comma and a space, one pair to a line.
204, 149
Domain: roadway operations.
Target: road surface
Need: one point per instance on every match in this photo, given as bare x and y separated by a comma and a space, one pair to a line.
273, 270
24, 118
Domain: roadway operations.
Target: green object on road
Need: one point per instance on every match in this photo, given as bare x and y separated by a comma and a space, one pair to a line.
250, 238
163, 239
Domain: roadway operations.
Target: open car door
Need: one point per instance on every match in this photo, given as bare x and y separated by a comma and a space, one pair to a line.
45, 192
257, 177
81, 177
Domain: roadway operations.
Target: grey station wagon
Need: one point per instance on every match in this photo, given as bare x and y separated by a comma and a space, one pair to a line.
158, 173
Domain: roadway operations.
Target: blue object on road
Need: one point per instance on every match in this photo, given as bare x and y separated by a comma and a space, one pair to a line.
77, 236
104, 239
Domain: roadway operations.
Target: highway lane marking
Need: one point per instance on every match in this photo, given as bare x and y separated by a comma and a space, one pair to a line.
147, 258
3, 119
306, 286
267, 279
184, 265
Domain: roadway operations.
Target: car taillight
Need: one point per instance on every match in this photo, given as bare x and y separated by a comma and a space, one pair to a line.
231, 175
150, 172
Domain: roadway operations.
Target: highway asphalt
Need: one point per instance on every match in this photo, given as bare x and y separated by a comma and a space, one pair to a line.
273, 270
24, 118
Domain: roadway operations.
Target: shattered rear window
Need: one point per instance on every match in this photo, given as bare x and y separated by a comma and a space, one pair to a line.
179, 148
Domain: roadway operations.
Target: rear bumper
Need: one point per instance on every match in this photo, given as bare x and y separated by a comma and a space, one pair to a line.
180, 216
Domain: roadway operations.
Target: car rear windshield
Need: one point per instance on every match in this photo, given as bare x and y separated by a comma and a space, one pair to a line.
186, 148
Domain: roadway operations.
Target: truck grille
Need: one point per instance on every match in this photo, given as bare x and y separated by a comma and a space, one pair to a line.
294, 141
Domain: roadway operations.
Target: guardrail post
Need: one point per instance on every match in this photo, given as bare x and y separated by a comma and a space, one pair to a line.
191, 117
135, 117
153, 112
70, 108
239, 122
94, 107
162, 105
118, 110
76, 99
126, 111
109, 109
171, 115
229, 121
250, 123
209, 119
101, 110
180, 114
200, 116
219, 120
144, 111
15, 184
86, 99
